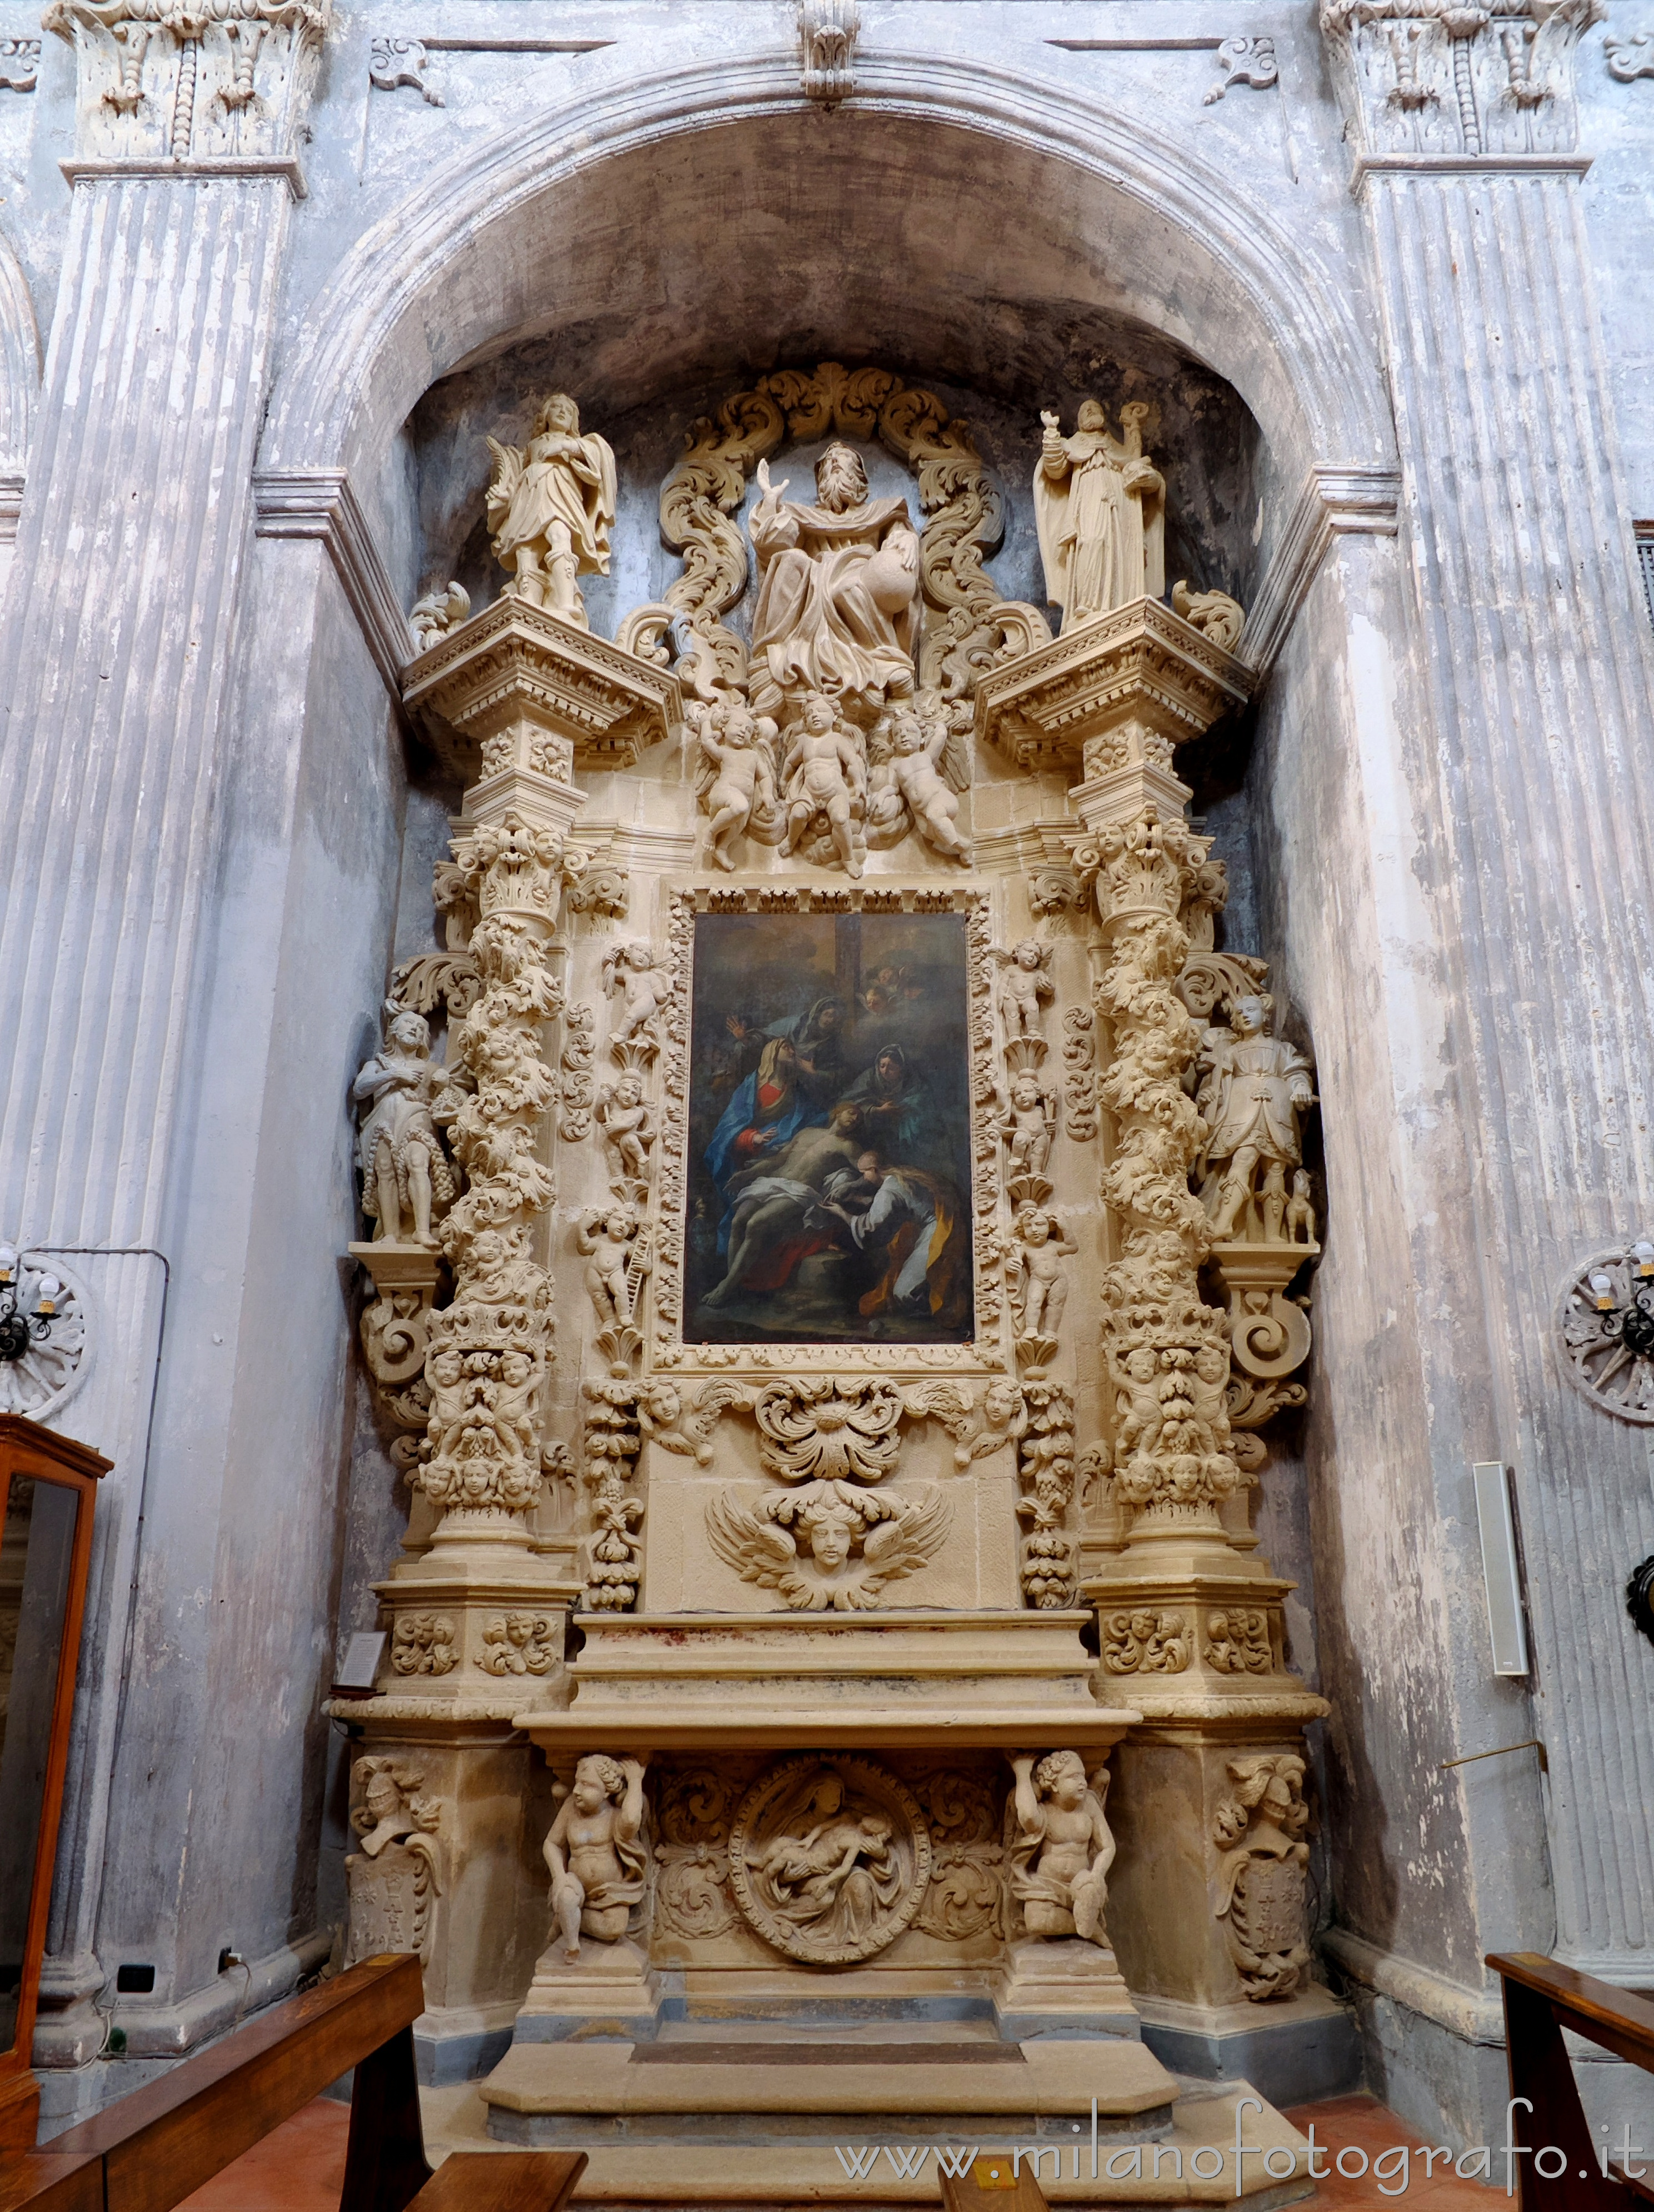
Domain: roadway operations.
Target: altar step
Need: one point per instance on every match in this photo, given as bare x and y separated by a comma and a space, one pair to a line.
758, 2132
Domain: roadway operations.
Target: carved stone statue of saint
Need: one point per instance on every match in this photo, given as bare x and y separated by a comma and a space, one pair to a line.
1100, 507
551, 505
403, 1170
1253, 1089
595, 1854
838, 590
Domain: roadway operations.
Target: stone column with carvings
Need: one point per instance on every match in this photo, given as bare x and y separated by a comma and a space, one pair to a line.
1537, 678
117, 655
1191, 1618
476, 1607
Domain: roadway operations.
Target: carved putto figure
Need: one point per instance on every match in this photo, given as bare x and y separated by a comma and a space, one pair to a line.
1040, 1291
628, 1125
1100, 507
916, 768
740, 796
838, 590
644, 982
616, 1259
826, 777
1025, 986
551, 505
1062, 1849
405, 1172
1028, 1124
595, 1853
1253, 1088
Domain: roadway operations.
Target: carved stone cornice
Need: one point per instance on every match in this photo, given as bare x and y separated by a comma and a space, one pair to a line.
194, 82
1428, 82
517, 667
1117, 692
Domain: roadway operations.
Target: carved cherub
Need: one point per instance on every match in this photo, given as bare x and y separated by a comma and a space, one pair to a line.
933, 807
595, 1853
627, 1123
617, 1260
1041, 1289
552, 506
1062, 1849
632, 968
736, 744
1005, 1418
896, 1536
1025, 986
826, 773
1028, 1124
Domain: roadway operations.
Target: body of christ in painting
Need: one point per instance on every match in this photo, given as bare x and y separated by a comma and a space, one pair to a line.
829, 1141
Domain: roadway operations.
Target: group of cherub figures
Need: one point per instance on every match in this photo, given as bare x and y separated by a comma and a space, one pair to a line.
823, 786
1059, 1851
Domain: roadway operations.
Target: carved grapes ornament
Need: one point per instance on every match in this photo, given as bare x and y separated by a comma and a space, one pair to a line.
830, 1858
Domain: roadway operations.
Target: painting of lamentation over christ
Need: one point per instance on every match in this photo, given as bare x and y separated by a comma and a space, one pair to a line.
829, 1186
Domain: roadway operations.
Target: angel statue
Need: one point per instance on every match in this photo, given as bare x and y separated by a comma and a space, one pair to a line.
551, 506
1062, 1851
405, 1172
1101, 511
896, 1537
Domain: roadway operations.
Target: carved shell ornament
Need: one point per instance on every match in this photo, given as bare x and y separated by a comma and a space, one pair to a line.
1605, 1324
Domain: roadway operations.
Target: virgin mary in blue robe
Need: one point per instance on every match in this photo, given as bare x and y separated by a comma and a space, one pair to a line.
768, 1108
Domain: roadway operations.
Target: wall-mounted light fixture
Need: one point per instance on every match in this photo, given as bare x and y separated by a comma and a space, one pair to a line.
28, 1305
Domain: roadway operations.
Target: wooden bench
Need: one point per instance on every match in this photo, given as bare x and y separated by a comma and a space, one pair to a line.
154, 2147
1541, 1999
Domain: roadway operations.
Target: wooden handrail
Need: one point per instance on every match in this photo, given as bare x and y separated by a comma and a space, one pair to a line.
1542, 1997
148, 2151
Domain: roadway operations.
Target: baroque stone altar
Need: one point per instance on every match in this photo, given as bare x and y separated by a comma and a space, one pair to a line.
799, 1281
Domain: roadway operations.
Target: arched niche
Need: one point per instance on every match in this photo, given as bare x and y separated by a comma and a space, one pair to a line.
707, 223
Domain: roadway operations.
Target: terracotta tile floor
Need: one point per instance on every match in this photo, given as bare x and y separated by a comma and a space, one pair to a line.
1353, 2123
299, 2168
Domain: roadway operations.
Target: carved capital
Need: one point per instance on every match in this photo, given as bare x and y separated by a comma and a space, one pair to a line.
191, 80
1427, 82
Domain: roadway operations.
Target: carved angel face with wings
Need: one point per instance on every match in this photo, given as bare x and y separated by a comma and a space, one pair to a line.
805, 1542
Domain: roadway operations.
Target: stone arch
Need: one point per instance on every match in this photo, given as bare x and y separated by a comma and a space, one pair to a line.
509, 240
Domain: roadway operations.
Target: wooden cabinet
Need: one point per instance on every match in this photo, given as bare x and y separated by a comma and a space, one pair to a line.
48, 1485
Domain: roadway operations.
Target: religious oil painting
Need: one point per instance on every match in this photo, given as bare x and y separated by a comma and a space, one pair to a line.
829, 1191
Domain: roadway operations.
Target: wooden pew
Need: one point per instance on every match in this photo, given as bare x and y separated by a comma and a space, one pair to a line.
1541, 1999
153, 2149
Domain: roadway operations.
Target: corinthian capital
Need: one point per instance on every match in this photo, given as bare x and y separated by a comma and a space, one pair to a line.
191, 80
1437, 80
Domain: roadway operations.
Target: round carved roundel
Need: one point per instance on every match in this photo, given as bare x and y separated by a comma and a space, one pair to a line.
1605, 1319
828, 1858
